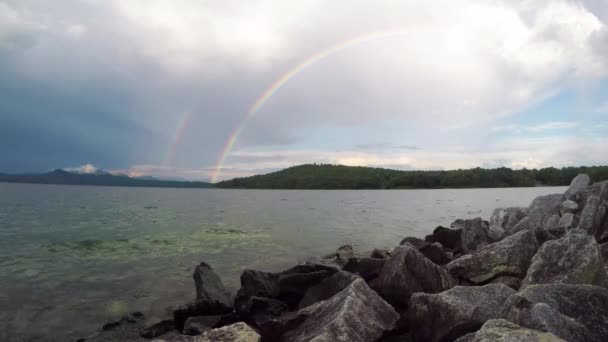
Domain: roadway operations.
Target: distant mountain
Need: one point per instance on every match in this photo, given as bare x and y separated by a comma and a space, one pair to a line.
324, 176
97, 178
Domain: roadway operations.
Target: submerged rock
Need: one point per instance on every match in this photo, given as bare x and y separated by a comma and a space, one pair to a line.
450, 314
578, 184
157, 329
585, 304
475, 234
407, 272
354, 314
508, 257
572, 259
505, 331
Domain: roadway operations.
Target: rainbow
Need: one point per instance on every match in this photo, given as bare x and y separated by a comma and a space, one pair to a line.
281, 81
177, 137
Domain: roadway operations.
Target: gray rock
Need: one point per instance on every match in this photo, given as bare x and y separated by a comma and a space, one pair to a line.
585, 304
157, 329
460, 310
435, 253
354, 314
288, 286
542, 317
327, 288
568, 221
450, 238
466, 338
407, 272
524, 224
212, 297
590, 219
604, 252
542, 212
209, 287
504, 219
600, 231
573, 259
416, 242
238, 332
457, 224
258, 310
475, 234
568, 206
578, 184
508, 257
500, 330
366, 268
198, 325
550, 229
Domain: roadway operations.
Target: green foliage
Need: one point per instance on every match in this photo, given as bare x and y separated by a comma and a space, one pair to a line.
325, 176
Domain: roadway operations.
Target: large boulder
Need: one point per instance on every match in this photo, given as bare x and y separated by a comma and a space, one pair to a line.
500, 330
591, 216
435, 253
354, 314
510, 256
210, 288
600, 231
450, 238
327, 288
568, 206
288, 286
568, 221
417, 242
450, 314
407, 272
541, 213
572, 259
587, 305
198, 325
503, 220
238, 332
578, 184
212, 297
475, 234
366, 268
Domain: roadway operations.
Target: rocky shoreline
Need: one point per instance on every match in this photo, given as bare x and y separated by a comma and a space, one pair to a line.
527, 274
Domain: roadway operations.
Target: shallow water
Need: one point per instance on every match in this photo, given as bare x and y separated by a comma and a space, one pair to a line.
74, 257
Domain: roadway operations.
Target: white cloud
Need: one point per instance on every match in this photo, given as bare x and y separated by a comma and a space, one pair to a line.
76, 30
538, 128
86, 169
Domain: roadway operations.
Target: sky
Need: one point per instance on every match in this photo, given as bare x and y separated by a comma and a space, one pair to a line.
211, 90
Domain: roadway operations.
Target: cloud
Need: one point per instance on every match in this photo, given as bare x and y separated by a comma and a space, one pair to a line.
539, 128
86, 169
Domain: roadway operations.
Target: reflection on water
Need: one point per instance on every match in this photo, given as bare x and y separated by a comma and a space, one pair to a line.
74, 257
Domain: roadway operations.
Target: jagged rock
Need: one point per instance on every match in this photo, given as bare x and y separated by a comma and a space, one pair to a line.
327, 288
258, 310
604, 252
585, 304
288, 286
512, 282
503, 219
475, 234
591, 216
466, 338
238, 332
568, 206
209, 286
600, 231
501, 330
212, 297
198, 325
524, 224
457, 224
578, 184
510, 256
542, 317
380, 254
568, 221
354, 314
572, 259
450, 238
407, 272
366, 268
157, 329
435, 253
416, 242
126, 329
541, 215
200, 308
550, 229
450, 314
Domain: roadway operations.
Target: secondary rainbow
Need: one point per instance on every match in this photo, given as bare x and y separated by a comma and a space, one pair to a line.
281, 81
178, 136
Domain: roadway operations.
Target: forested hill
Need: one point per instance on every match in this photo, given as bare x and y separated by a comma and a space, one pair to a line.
324, 176
106, 179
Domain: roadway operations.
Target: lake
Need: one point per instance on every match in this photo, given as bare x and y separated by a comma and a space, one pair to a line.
74, 257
